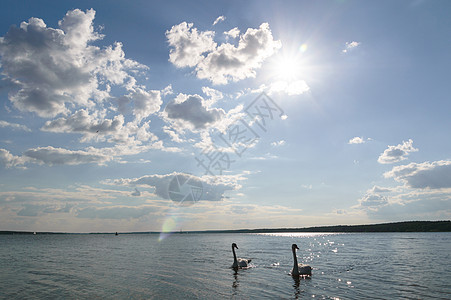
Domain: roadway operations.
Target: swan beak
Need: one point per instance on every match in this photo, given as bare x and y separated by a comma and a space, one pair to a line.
297, 247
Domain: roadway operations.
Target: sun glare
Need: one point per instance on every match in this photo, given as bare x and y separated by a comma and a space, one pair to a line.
290, 66
286, 68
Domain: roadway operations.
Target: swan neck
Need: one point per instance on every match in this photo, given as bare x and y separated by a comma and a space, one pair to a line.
234, 256
295, 266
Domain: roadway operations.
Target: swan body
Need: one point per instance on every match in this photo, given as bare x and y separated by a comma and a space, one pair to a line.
299, 269
239, 262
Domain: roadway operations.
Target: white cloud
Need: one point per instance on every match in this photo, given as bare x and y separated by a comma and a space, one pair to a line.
96, 127
397, 153
174, 135
167, 90
373, 202
189, 111
426, 191
82, 122
59, 156
188, 44
213, 188
49, 206
233, 33
145, 102
377, 189
223, 63
14, 126
267, 156
356, 140
53, 68
278, 143
59, 71
350, 45
287, 87
219, 19
432, 175
359, 140
9, 160
214, 95
290, 88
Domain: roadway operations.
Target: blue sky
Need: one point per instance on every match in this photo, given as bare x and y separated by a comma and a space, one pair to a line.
263, 113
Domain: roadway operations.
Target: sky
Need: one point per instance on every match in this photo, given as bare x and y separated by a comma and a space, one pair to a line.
205, 115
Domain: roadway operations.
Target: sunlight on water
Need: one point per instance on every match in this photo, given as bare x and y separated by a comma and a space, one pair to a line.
297, 234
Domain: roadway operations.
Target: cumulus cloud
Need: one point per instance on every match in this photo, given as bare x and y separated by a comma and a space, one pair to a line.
356, 140
167, 90
97, 127
53, 68
145, 102
397, 153
59, 156
188, 44
432, 175
82, 122
426, 190
9, 160
190, 111
350, 46
374, 199
219, 19
233, 33
214, 95
58, 71
14, 126
223, 63
213, 189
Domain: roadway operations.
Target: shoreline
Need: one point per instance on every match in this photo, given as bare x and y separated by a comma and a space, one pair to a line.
408, 226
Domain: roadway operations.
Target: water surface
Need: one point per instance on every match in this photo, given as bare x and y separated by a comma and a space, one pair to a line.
197, 266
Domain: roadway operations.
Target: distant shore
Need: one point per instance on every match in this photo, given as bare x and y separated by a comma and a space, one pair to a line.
409, 226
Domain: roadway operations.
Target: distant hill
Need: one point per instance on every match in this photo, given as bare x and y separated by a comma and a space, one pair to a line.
410, 226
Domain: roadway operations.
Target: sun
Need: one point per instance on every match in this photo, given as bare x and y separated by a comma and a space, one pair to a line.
290, 66
286, 68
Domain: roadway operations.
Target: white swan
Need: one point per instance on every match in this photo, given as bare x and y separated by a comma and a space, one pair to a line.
299, 269
240, 262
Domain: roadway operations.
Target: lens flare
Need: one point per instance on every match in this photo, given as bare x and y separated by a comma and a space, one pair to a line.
303, 48
169, 226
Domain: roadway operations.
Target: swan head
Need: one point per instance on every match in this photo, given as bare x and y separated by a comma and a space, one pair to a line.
234, 246
294, 247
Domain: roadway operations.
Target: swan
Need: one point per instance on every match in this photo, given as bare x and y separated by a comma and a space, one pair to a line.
299, 269
240, 262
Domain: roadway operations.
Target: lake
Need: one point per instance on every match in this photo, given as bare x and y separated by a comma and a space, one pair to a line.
197, 266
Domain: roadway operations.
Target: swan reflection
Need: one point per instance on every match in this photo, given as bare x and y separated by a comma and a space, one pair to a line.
235, 283
297, 291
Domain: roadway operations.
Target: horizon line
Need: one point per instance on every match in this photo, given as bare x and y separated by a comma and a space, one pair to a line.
377, 227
